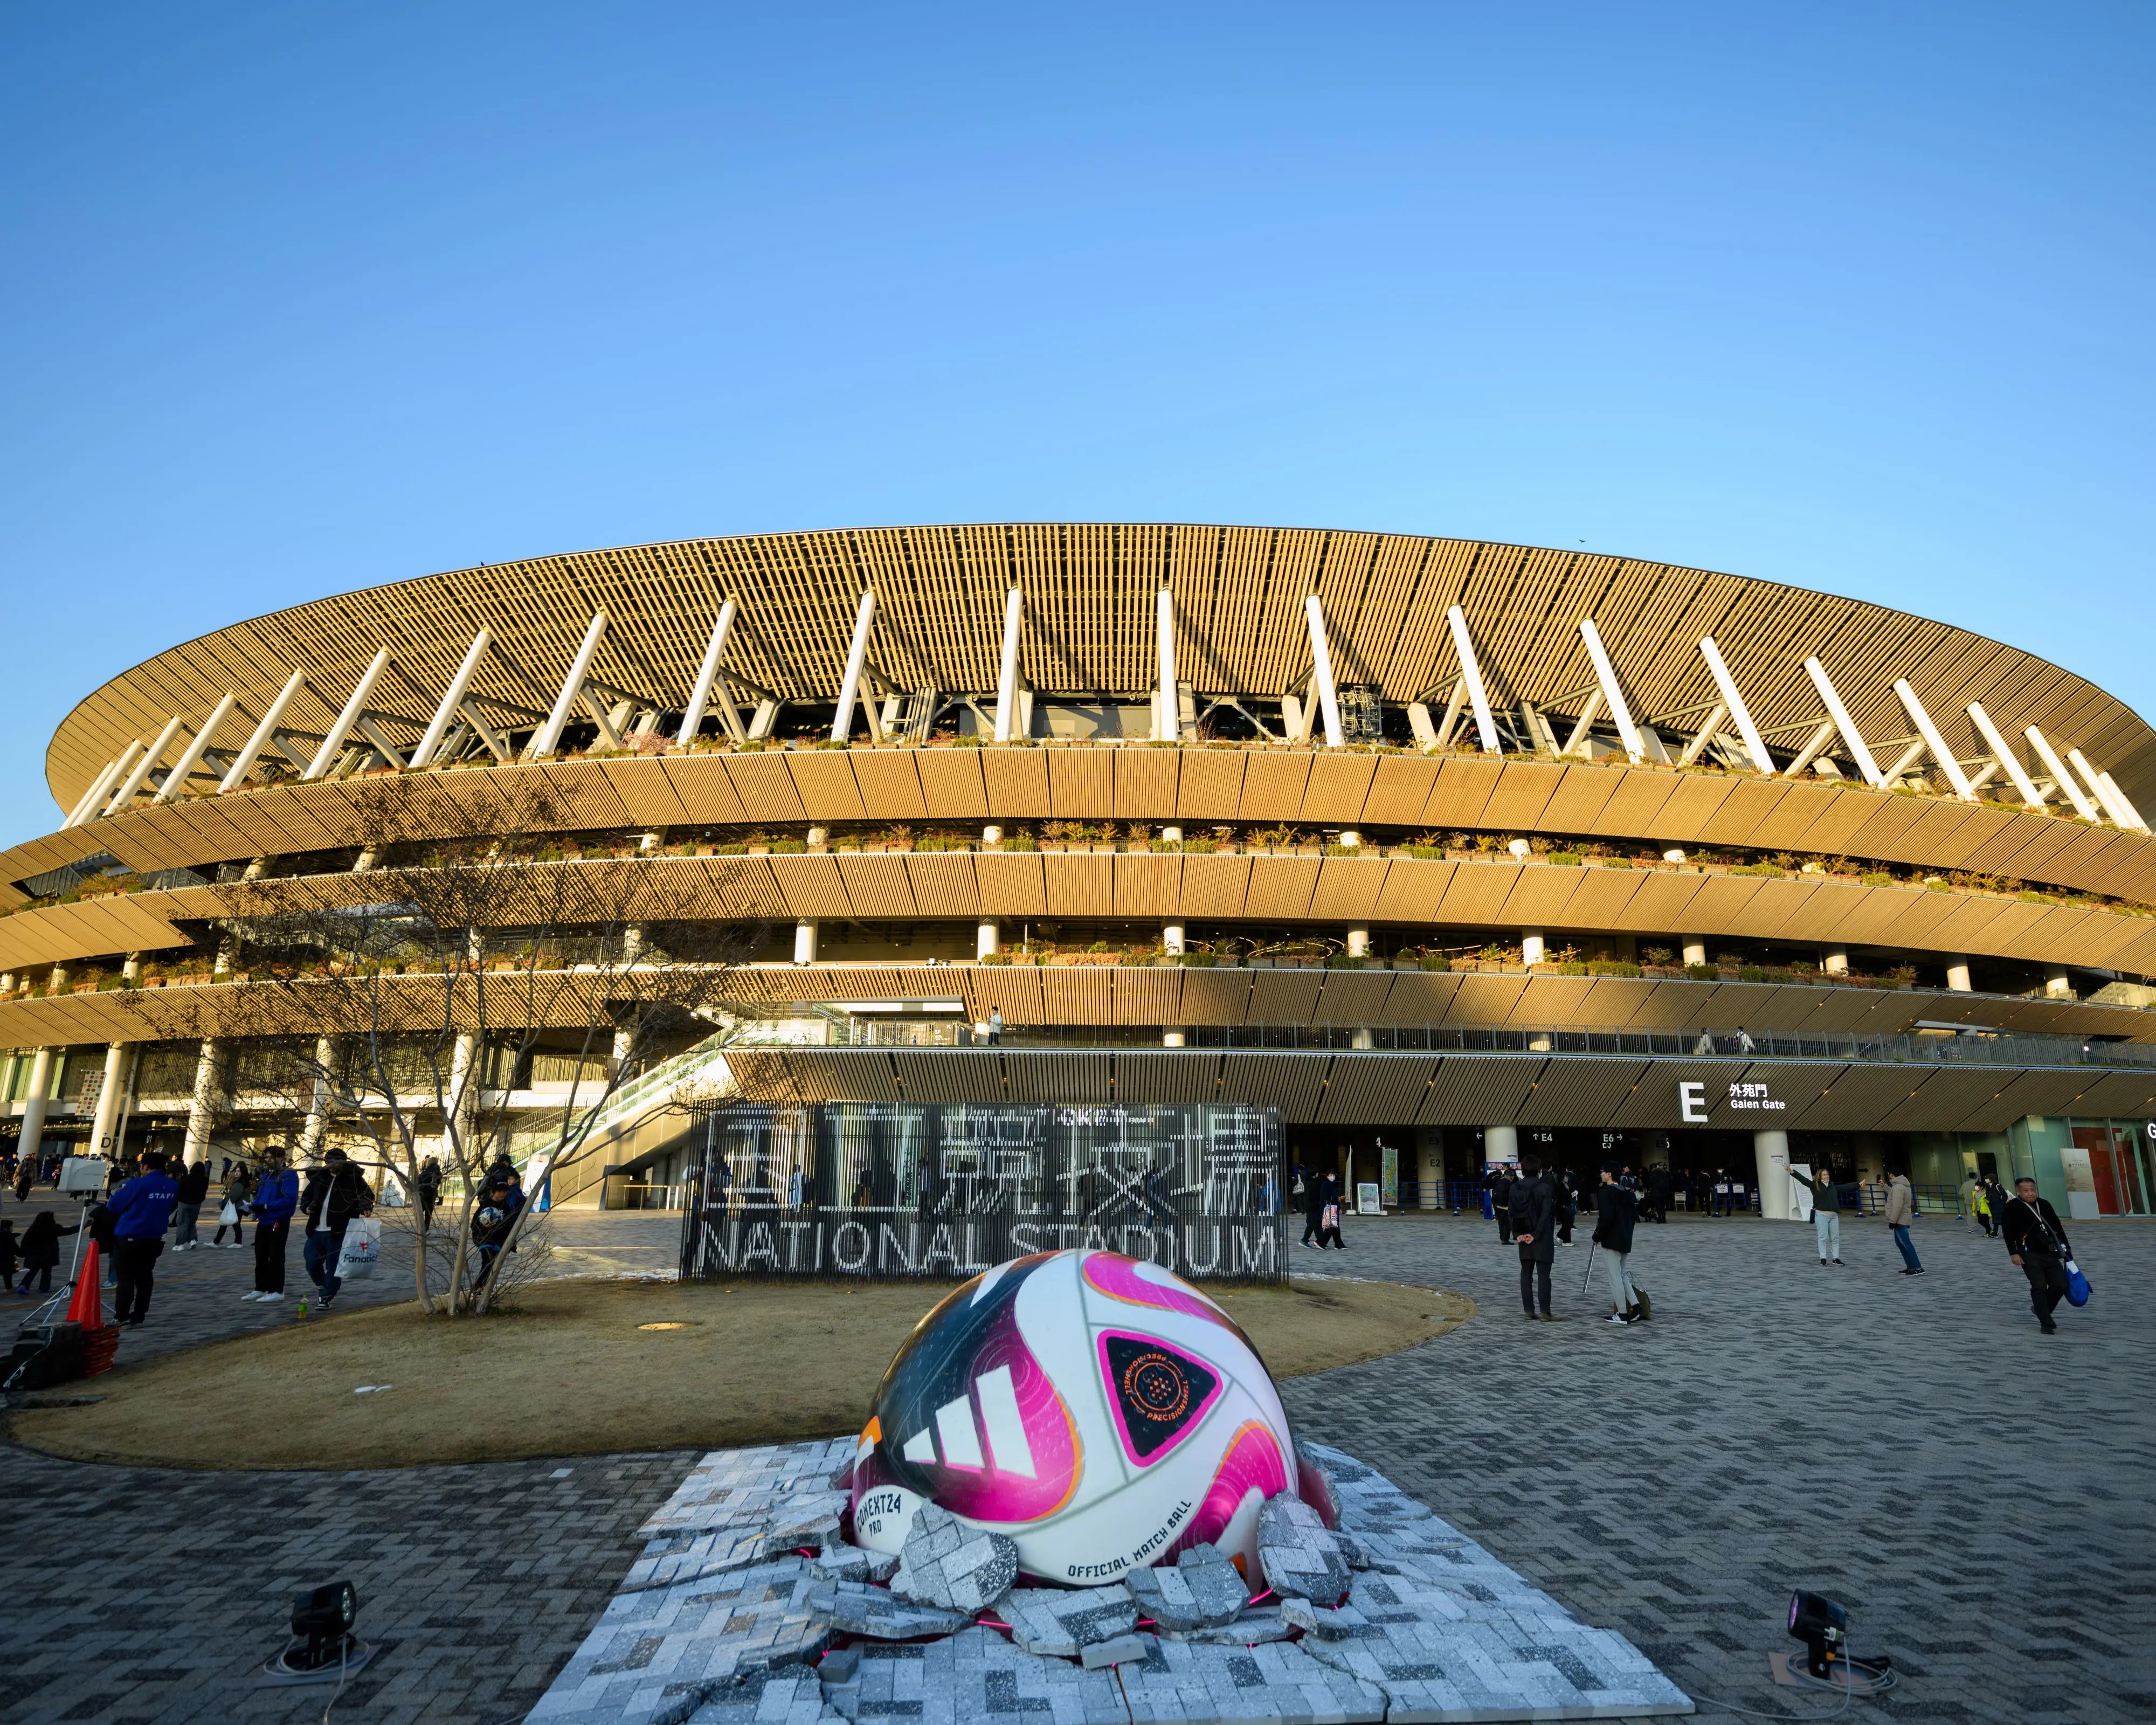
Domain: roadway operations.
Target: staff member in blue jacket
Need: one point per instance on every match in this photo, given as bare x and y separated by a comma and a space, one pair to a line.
141, 1210
276, 1196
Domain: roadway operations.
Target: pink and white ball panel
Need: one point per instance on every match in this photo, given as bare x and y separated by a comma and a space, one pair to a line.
1096, 1409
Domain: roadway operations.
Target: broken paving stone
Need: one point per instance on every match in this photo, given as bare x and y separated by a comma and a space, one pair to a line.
1300, 1558
1316, 1487
1345, 1625
1204, 1590
1123, 1650
1278, 1681
948, 1564
841, 1562
1059, 1622
878, 1613
1258, 1624
788, 1697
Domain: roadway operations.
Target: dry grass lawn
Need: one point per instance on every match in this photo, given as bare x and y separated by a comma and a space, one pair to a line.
574, 1372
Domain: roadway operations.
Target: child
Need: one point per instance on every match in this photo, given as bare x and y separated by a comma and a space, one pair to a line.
41, 1250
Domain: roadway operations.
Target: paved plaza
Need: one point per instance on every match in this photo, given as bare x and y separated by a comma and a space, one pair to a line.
1980, 1496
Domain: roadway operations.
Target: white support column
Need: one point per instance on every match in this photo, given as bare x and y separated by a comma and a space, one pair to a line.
1958, 978
178, 777
381, 740
707, 680
1575, 742
1605, 673
1809, 752
1533, 948
2109, 787
142, 769
35, 1101
987, 937
2061, 775
326, 756
109, 1095
2003, 751
1166, 726
2095, 781
452, 699
1933, 741
1464, 644
1171, 939
548, 737
1453, 702
1358, 943
1174, 1036
236, 774
1006, 675
1843, 723
1724, 685
1694, 949
1835, 961
495, 743
1770, 1152
1903, 761
2058, 983
98, 786
99, 806
1705, 735
1321, 659
804, 942
203, 1103
1500, 1144
856, 658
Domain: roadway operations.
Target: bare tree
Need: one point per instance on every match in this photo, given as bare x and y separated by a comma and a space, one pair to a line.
397, 1003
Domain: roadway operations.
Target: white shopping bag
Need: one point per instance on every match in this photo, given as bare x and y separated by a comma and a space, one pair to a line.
362, 1248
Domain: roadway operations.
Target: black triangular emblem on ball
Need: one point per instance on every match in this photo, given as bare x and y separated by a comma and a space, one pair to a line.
1158, 1391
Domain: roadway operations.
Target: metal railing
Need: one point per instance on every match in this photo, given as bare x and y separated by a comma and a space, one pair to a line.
1972, 1050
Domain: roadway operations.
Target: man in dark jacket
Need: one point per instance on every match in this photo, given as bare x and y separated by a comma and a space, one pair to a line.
1537, 1205
1658, 1193
1615, 1213
336, 1193
139, 1208
2038, 1246
1502, 1179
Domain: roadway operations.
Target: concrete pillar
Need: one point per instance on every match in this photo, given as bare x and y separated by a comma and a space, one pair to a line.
1777, 1198
1430, 1166
131, 968
2058, 983
987, 937
34, 1102
819, 836
992, 835
1358, 943
1500, 1144
7, 984
203, 1104
804, 942
1538, 1042
1361, 1038
1173, 1037
1533, 949
1695, 949
57, 982
318, 1107
1171, 835
1958, 975
119, 1056
1171, 939
1350, 841
1835, 961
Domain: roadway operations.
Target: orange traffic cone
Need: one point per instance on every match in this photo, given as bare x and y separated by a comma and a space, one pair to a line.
87, 1308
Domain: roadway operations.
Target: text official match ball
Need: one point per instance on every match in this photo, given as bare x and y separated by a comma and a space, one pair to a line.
1099, 1411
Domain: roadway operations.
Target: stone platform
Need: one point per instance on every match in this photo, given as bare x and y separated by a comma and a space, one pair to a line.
748, 1607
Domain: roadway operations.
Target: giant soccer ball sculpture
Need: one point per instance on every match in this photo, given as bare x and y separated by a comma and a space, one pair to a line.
1098, 1411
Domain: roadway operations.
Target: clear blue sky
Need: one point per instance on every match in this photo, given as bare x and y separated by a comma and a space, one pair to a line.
299, 298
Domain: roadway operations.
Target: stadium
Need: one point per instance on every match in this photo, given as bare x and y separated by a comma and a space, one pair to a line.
1430, 851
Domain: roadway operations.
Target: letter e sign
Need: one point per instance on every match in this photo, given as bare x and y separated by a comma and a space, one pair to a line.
1692, 1104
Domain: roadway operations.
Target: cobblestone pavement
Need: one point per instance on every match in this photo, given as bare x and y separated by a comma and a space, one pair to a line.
1981, 1496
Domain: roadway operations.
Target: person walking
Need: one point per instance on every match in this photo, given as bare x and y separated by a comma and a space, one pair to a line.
193, 1185
1901, 1212
1658, 1194
41, 1250
276, 1196
429, 1188
1500, 1200
1827, 1193
1991, 1202
1615, 1214
1328, 1213
2037, 1245
1537, 1207
141, 1210
336, 1193
26, 1176
1313, 1204
238, 1188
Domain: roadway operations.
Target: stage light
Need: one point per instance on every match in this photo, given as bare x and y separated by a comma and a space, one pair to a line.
1823, 1626
323, 1646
